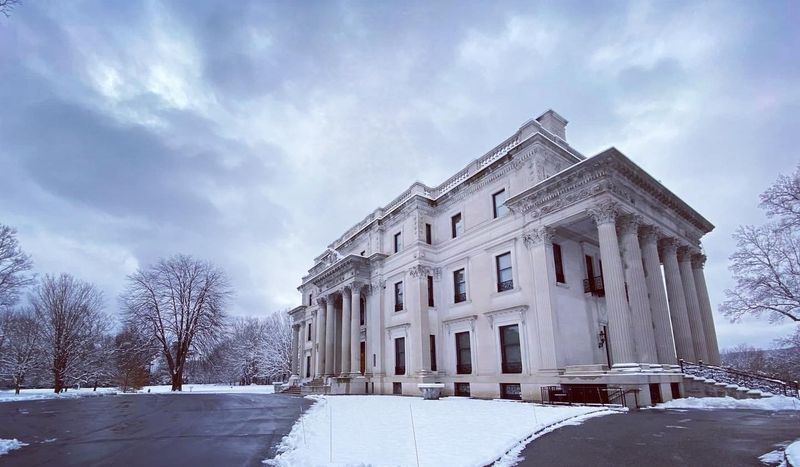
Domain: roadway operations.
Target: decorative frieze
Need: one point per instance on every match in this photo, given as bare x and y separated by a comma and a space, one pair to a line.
538, 235
420, 270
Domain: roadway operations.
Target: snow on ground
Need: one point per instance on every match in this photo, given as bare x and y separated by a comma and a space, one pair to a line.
7, 445
37, 394
793, 453
210, 389
769, 403
395, 430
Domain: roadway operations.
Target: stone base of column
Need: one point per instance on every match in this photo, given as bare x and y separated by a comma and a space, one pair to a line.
626, 367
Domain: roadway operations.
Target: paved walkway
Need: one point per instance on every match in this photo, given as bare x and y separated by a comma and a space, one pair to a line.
667, 438
149, 429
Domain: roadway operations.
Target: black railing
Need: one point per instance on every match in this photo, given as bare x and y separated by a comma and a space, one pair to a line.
741, 378
460, 297
588, 394
512, 367
594, 285
464, 369
399, 370
505, 285
398, 307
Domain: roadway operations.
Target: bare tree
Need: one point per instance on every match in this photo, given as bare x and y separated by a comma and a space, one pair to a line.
246, 347
68, 312
21, 352
14, 264
7, 5
134, 351
766, 263
276, 361
180, 301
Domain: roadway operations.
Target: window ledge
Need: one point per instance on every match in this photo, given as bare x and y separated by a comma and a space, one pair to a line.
506, 292
563, 285
465, 302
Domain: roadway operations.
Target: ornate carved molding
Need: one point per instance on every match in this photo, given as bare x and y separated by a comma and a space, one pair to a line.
449, 323
649, 234
685, 253
537, 236
402, 327
698, 261
628, 224
668, 246
604, 212
519, 311
420, 270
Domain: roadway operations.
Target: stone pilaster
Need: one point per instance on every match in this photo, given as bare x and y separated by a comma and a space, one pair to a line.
330, 335
539, 241
677, 300
692, 304
346, 329
638, 300
662, 327
712, 347
322, 329
619, 319
355, 331
420, 327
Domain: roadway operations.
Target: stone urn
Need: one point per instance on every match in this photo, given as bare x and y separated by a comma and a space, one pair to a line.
431, 391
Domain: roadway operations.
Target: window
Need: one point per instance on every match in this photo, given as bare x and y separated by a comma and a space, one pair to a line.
430, 291
398, 296
397, 389
510, 349
398, 239
362, 311
459, 286
456, 225
510, 391
463, 354
505, 281
308, 366
433, 352
400, 356
310, 297
308, 334
498, 203
428, 234
559, 263
461, 389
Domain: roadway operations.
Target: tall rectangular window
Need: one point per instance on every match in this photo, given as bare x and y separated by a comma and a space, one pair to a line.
400, 356
428, 234
559, 263
463, 354
433, 352
362, 311
498, 203
459, 286
398, 242
510, 349
505, 280
430, 291
308, 366
456, 225
310, 298
398, 296
308, 334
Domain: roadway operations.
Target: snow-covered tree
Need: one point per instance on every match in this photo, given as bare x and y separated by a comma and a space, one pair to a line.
180, 301
21, 351
276, 360
14, 267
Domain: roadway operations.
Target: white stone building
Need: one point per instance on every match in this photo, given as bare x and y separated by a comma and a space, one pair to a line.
533, 266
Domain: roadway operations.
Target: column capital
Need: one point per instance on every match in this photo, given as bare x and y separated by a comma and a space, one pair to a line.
698, 261
322, 301
420, 270
537, 236
649, 234
685, 253
604, 212
668, 246
628, 224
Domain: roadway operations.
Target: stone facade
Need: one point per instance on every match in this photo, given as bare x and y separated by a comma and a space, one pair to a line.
533, 266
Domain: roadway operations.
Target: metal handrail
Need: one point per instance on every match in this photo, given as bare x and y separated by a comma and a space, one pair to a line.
741, 378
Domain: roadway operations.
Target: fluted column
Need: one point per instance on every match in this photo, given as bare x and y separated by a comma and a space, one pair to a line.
638, 300
322, 328
346, 328
712, 347
295, 343
692, 304
619, 318
355, 331
330, 335
659, 310
677, 300
539, 241
419, 333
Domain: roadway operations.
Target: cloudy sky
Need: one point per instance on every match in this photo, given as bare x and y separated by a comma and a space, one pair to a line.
254, 133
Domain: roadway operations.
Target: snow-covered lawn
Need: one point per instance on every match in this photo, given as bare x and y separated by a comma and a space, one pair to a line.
707, 403
37, 394
9, 444
394, 430
793, 453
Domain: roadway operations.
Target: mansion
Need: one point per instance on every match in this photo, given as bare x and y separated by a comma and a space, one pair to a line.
532, 267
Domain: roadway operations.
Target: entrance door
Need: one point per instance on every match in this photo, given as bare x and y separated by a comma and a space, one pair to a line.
363, 359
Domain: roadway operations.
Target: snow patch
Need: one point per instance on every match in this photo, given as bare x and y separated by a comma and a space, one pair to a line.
47, 393
7, 445
708, 403
209, 389
396, 430
793, 453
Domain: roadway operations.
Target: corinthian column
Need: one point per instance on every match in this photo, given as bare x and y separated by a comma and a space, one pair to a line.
662, 327
712, 348
619, 318
321, 331
330, 336
355, 331
295, 349
677, 300
346, 313
692, 305
637, 289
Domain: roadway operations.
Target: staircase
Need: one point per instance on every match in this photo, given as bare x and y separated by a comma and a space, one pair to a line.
702, 380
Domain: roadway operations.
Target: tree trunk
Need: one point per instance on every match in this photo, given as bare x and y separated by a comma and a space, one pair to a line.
177, 381
16, 389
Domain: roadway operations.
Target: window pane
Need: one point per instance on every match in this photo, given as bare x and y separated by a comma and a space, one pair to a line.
397, 240
456, 225
459, 286
558, 263
499, 198
463, 353
510, 349
398, 296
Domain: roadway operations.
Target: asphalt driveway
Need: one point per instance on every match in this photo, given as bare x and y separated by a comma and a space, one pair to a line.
667, 438
149, 429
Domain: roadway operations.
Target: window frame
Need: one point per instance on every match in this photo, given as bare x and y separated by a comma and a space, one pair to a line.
462, 367
398, 242
428, 234
558, 263
433, 352
507, 367
431, 300
456, 226
399, 304
495, 208
398, 354
508, 284
458, 296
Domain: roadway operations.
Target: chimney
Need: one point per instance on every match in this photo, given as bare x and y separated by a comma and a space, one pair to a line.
554, 123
